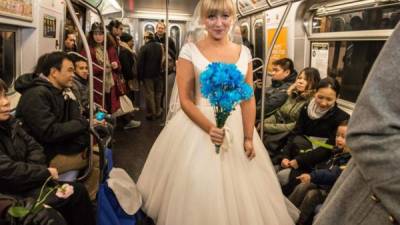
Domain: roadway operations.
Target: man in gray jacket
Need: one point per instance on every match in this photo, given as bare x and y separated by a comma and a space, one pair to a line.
368, 191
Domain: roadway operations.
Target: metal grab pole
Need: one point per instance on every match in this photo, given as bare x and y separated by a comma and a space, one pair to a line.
96, 10
268, 58
166, 58
89, 59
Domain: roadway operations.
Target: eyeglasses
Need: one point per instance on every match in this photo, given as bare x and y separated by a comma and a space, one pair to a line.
98, 33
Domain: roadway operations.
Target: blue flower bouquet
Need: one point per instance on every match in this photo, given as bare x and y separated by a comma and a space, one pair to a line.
224, 87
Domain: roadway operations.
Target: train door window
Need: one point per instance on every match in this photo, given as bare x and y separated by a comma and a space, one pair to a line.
8, 56
175, 33
259, 39
381, 18
149, 27
350, 63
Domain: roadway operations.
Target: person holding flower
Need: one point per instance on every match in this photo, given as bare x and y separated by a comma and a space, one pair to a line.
185, 180
23, 171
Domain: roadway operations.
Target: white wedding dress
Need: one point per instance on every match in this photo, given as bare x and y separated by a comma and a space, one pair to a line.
184, 181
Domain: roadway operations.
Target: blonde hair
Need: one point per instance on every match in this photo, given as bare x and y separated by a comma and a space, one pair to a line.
210, 7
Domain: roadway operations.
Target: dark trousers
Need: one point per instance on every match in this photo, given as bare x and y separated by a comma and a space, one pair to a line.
153, 91
306, 197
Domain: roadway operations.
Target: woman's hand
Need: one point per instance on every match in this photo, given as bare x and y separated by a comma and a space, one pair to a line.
249, 149
53, 173
114, 65
217, 135
293, 163
304, 178
285, 163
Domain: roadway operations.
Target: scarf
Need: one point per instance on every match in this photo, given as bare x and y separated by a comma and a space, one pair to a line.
108, 79
126, 46
314, 111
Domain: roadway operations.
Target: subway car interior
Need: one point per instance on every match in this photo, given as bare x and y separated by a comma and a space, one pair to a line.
339, 40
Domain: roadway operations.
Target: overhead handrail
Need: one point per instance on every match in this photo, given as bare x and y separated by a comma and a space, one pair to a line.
89, 59
268, 58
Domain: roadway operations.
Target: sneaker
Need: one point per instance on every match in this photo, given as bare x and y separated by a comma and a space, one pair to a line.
132, 124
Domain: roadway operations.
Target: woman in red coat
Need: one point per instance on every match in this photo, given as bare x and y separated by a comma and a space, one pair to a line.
113, 68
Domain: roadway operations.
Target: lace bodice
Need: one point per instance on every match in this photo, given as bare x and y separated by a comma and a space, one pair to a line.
192, 53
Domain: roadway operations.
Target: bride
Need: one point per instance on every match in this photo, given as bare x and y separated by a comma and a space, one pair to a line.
184, 181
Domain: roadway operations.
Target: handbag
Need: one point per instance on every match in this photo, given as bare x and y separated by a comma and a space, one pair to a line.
121, 85
65, 163
274, 142
126, 106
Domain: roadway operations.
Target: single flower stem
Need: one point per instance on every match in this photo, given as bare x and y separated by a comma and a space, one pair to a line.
42, 189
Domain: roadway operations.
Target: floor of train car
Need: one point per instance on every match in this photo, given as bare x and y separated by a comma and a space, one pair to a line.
132, 146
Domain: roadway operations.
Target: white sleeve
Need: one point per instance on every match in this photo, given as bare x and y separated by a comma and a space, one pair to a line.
248, 54
186, 52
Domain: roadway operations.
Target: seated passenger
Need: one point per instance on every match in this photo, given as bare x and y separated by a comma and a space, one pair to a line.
45, 216
55, 122
314, 186
278, 126
23, 169
318, 120
79, 86
283, 75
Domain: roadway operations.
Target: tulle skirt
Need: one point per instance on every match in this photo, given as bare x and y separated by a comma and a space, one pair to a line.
184, 181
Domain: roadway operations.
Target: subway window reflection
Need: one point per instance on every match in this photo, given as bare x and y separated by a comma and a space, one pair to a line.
350, 63
368, 19
7, 56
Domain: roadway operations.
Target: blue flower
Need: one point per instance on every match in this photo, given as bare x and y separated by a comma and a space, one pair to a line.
224, 86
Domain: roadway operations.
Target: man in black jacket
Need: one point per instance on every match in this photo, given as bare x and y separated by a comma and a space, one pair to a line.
149, 67
160, 38
283, 75
23, 169
54, 121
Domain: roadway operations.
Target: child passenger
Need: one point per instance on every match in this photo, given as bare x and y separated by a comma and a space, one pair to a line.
314, 186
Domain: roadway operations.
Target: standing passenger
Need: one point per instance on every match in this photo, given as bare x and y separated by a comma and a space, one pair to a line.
149, 67
70, 41
96, 43
368, 191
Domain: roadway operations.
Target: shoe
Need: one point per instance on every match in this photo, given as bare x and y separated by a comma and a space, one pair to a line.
132, 124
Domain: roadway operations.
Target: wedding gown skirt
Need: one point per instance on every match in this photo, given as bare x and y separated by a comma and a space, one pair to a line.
184, 181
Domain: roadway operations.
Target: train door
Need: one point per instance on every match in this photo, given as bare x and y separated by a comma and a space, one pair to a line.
258, 35
175, 32
145, 26
51, 17
245, 30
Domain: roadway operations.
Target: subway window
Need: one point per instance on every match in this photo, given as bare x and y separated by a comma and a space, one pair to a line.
350, 63
7, 56
259, 39
368, 19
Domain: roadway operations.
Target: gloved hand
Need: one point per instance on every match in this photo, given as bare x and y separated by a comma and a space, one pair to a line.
45, 216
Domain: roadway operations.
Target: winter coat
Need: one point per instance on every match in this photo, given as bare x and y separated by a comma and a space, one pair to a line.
171, 46
113, 97
150, 60
324, 127
22, 161
80, 90
55, 122
333, 168
128, 62
276, 95
368, 191
284, 119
